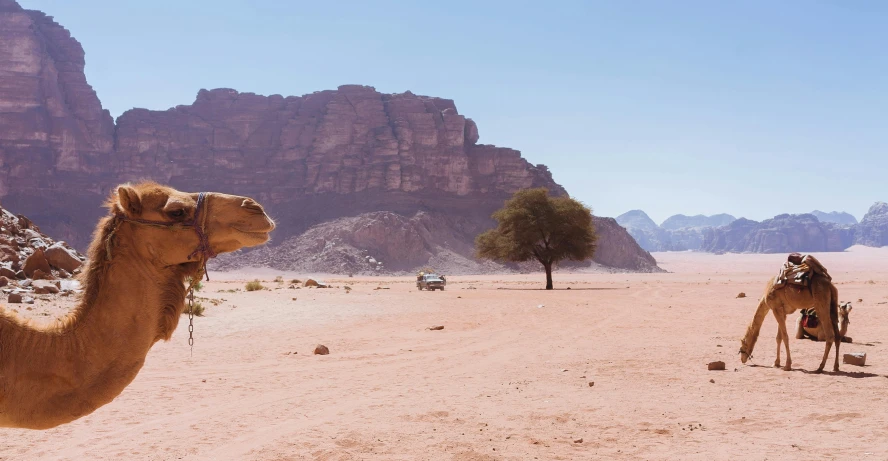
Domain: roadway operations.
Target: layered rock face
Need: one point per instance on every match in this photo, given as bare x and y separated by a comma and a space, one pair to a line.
873, 229
681, 221
310, 159
54, 135
781, 234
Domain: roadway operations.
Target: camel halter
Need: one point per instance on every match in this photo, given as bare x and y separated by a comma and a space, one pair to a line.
203, 250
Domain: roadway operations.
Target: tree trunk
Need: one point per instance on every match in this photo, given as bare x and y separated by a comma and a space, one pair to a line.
548, 276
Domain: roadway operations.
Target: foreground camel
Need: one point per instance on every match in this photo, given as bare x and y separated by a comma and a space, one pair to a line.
134, 293
821, 294
803, 332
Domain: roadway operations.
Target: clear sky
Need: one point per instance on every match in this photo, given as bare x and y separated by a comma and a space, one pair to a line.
751, 108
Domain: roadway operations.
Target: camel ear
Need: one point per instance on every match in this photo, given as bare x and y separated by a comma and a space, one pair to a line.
129, 200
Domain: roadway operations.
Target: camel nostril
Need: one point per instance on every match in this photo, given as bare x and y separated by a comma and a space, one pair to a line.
251, 205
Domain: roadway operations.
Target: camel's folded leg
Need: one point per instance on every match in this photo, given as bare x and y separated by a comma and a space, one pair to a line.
800, 330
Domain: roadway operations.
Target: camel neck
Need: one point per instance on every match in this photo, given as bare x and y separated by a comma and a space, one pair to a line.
71, 370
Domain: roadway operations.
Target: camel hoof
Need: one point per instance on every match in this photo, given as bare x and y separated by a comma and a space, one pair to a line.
818, 371
787, 368
776, 364
836, 369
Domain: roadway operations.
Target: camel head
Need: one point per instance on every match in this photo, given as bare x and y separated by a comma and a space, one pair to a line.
169, 226
745, 351
844, 310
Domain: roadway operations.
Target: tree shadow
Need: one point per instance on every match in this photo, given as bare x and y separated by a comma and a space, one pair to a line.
558, 289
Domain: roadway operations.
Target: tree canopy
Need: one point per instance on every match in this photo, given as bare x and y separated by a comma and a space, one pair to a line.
533, 225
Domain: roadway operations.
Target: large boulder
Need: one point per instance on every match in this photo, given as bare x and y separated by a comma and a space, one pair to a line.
36, 262
61, 257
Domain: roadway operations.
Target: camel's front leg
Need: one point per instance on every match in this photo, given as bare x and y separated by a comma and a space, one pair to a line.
779, 339
781, 324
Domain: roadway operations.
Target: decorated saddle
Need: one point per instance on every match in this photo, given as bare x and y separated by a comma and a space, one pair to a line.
809, 318
798, 270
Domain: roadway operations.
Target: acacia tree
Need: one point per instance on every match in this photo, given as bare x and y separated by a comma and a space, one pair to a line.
534, 225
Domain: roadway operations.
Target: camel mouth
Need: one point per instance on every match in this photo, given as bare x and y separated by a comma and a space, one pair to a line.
260, 236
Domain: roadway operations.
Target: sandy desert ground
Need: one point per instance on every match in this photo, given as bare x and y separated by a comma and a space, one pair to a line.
508, 378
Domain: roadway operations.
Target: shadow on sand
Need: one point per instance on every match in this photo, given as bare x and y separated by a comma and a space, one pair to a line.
850, 374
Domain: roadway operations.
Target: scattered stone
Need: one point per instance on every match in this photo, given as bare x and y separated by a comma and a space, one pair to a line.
855, 358
26, 283
591, 383
437, 327
40, 291
47, 287
40, 275
577, 440
14, 298
28, 300
712, 381
321, 349
860, 300
3, 281
7, 272
717, 365
741, 295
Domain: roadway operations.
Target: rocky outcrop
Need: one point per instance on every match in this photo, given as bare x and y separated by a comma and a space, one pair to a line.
677, 233
836, 217
617, 248
681, 221
873, 229
782, 234
389, 243
644, 230
26, 252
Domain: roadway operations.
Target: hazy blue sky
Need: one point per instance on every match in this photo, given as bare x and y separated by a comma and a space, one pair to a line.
751, 108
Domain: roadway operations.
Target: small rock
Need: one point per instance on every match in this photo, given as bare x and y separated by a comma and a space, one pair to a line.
577, 440
591, 383
321, 349
3, 281
437, 327
40, 291
717, 365
26, 283
28, 300
14, 298
712, 381
860, 300
294, 299
741, 295
7, 272
541, 306
854, 358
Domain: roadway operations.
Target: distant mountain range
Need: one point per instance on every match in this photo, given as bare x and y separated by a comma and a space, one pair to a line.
810, 232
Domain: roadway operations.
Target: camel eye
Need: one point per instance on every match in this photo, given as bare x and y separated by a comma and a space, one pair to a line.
177, 213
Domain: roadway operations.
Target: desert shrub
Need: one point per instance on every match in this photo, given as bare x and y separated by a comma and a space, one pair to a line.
279, 279
197, 308
255, 285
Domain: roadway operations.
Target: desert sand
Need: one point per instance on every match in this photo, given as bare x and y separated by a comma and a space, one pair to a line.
507, 378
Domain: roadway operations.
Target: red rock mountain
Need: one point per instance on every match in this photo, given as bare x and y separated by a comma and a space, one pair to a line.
311, 158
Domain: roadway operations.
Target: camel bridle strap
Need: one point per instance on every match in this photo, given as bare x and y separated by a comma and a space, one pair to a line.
203, 251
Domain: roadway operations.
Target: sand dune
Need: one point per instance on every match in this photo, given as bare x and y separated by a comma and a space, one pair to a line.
505, 379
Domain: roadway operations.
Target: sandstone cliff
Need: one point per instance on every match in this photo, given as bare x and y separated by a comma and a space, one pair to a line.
873, 229
310, 159
836, 217
677, 233
781, 234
